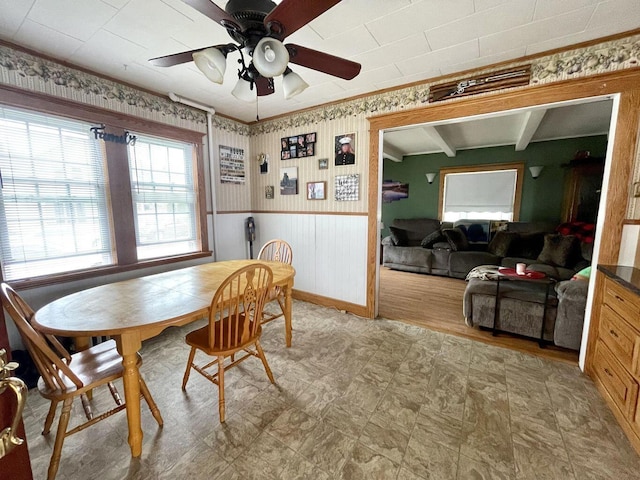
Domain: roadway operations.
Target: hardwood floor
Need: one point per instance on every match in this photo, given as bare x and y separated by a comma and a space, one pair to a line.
436, 303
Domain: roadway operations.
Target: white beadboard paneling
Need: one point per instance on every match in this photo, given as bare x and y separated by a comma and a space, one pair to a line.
329, 251
232, 242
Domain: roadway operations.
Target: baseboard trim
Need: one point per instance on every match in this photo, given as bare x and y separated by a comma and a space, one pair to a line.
360, 310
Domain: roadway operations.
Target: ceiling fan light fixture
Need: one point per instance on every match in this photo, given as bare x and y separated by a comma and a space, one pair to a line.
292, 84
212, 62
244, 91
270, 57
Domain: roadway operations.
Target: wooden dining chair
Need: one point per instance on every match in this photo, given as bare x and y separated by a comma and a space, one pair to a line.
277, 251
65, 377
234, 326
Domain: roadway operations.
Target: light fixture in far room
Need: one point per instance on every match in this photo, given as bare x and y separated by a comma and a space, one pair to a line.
430, 177
292, 84
535, 171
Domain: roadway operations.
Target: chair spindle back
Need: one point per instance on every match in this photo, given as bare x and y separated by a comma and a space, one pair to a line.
238, 305
50, 357
276, 250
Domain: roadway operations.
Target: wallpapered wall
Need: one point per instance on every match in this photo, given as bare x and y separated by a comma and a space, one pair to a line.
541, 198
308, 171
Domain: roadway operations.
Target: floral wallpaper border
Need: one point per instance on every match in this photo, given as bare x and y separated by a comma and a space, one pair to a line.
34, 73
30, 72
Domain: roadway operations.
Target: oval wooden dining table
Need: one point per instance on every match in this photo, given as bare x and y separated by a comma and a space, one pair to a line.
134, 310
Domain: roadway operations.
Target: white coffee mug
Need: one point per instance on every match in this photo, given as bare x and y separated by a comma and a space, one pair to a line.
520, 268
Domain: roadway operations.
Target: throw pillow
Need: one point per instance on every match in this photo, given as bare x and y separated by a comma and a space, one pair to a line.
456, 238
526, 245
558, 250
500, 243
399, 236
434, 237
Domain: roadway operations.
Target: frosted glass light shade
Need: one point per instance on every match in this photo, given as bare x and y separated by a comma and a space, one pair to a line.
430, 177
293, 84
535, 171
212, 62
243, 91
270, 57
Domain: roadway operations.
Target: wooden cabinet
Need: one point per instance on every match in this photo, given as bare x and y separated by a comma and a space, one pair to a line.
583, 185
615, 361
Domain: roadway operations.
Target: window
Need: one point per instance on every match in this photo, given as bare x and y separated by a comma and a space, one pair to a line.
53, 208
164, 197
488, 192
75, 207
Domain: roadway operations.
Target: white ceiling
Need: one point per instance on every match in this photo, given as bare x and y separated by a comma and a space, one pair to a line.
518, 128
396, 41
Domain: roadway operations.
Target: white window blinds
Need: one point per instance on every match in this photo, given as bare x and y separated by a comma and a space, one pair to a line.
53, 211
488, 195
164, 197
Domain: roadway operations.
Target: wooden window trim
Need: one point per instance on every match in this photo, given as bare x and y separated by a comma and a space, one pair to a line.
119, 186
490, 167
103, 271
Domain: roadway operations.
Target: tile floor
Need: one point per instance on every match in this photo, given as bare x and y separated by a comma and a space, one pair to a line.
355, 399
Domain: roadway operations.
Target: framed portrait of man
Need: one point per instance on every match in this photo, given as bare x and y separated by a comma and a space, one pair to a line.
345, 152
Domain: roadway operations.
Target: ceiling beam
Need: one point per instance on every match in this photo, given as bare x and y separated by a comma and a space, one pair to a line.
392, 153
438, 139
530, 124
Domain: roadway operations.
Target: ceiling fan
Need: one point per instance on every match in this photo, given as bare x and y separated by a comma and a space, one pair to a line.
259, 27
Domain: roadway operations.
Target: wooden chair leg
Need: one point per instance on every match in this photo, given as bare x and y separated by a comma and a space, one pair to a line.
146, 394
62, 431
50, 417
221, 405
185, 379
264, 361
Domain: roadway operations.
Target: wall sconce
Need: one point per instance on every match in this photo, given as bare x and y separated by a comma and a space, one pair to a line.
430, 177
535, 171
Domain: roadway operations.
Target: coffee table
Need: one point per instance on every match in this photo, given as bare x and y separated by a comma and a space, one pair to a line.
530, 276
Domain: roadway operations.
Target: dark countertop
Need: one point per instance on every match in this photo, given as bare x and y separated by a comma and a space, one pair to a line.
628, 277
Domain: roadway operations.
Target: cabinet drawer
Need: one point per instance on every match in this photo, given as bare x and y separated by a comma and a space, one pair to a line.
622, 301
618, 382
622, 339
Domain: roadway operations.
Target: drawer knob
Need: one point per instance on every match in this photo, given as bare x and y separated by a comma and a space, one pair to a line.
619, 298
606, 370
613, 333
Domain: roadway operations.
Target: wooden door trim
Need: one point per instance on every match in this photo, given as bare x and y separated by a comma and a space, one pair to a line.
625, 83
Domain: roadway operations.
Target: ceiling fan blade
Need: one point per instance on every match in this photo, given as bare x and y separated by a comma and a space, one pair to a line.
290, 15
323, 62
174, 59
215, 13
264, 86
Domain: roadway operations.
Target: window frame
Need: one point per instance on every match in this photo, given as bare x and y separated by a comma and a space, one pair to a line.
119, 199
490, 167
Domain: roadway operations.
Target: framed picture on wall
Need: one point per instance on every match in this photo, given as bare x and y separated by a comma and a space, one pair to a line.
343, 146
298, 146
323, 164
289, 181
347, 188
269, 192
316, 190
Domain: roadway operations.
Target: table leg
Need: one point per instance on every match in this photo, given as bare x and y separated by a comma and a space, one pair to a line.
544, 315
287, 312
496, 308
128, 346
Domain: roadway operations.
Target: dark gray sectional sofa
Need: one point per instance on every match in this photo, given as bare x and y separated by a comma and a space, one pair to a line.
441, 259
